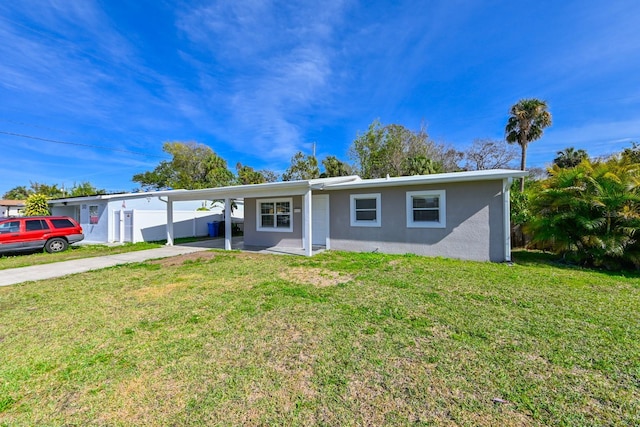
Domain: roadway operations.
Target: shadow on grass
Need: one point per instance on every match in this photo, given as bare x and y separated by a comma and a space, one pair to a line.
533, 257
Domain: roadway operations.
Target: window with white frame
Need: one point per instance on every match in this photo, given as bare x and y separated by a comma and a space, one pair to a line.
426, 209
365, 210
274, 215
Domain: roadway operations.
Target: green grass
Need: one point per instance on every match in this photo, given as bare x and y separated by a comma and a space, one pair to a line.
74, 252
337, 339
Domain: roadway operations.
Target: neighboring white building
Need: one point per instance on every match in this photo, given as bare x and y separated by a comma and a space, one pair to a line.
11, 208
138, 217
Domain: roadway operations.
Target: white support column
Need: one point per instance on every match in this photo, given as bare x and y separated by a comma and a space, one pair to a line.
121, 226
307, 238
169, 222
506, 195
227, 224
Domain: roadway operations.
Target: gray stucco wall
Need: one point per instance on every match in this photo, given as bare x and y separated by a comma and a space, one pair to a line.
253, 237
474, 223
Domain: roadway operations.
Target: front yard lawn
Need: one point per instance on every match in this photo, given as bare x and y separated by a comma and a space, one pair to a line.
228, 338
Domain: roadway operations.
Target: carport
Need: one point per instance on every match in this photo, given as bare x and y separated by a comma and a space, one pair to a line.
303, 188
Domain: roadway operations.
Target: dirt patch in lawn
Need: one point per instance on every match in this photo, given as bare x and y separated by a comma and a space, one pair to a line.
155, 292
315, 276
178, 260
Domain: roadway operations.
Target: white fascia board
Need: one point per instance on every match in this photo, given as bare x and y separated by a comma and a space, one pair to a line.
120, 196
320, 183
440, 178
242, 191
267, 189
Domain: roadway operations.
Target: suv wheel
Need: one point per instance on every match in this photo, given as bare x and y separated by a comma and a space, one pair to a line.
56, 245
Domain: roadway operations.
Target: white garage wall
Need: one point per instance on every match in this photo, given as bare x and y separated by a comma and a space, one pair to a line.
152, 225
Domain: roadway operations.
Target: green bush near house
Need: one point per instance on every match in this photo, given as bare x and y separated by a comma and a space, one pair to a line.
590, 213
36, 205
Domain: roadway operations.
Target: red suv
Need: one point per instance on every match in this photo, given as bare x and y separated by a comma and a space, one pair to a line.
53, 233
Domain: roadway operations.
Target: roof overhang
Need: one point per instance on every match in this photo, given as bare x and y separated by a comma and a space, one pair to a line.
268, 189
294, 188
440, 178
12, 203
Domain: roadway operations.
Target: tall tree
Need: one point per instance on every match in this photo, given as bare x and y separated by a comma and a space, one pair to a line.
385, 150
335, 167
489, 154
302, 167
192, 166
269, 175
17, 193
248, 175
527, 121
51, 191
420, 165
85, 188
570, 157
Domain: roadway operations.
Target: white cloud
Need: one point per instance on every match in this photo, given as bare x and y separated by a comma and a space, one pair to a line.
282, 59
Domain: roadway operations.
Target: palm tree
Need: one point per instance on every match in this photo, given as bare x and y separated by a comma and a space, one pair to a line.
570, 157
527, 120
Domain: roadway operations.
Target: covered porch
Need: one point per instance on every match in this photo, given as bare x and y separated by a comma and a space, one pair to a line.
303, 189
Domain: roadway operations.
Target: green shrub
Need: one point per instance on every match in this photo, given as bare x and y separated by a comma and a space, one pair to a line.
36, 204
590, 214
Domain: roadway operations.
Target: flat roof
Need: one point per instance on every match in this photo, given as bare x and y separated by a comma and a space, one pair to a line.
436, 178
7, 202
292, 188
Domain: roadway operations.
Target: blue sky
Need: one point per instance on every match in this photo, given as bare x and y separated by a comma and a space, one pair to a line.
258, 80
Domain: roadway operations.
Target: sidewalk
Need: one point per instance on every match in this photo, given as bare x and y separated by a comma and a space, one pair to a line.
13, 276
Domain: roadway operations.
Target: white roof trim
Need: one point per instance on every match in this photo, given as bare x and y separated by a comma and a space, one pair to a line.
439, 178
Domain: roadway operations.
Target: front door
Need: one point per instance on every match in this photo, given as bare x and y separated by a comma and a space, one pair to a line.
320, 220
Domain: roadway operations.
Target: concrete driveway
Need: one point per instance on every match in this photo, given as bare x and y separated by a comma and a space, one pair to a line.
13, 276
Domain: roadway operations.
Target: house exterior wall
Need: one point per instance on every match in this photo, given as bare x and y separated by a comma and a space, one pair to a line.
149, 218
474, 223
149, 226
253, 237
95, 227
7, 211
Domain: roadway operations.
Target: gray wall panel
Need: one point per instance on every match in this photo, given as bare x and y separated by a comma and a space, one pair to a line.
474, 230
253, 237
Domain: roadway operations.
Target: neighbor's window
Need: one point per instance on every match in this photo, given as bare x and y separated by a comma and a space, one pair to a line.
365, 210
274, 215
426, 209
93, 214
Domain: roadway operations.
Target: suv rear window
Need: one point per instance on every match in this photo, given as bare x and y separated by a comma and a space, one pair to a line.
36, 224
62, 223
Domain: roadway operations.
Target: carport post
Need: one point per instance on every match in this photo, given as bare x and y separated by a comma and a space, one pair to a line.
227, 224
121, 225
306, 224
169, 222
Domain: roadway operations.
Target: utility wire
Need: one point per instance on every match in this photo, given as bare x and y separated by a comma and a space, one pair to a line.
79, 144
